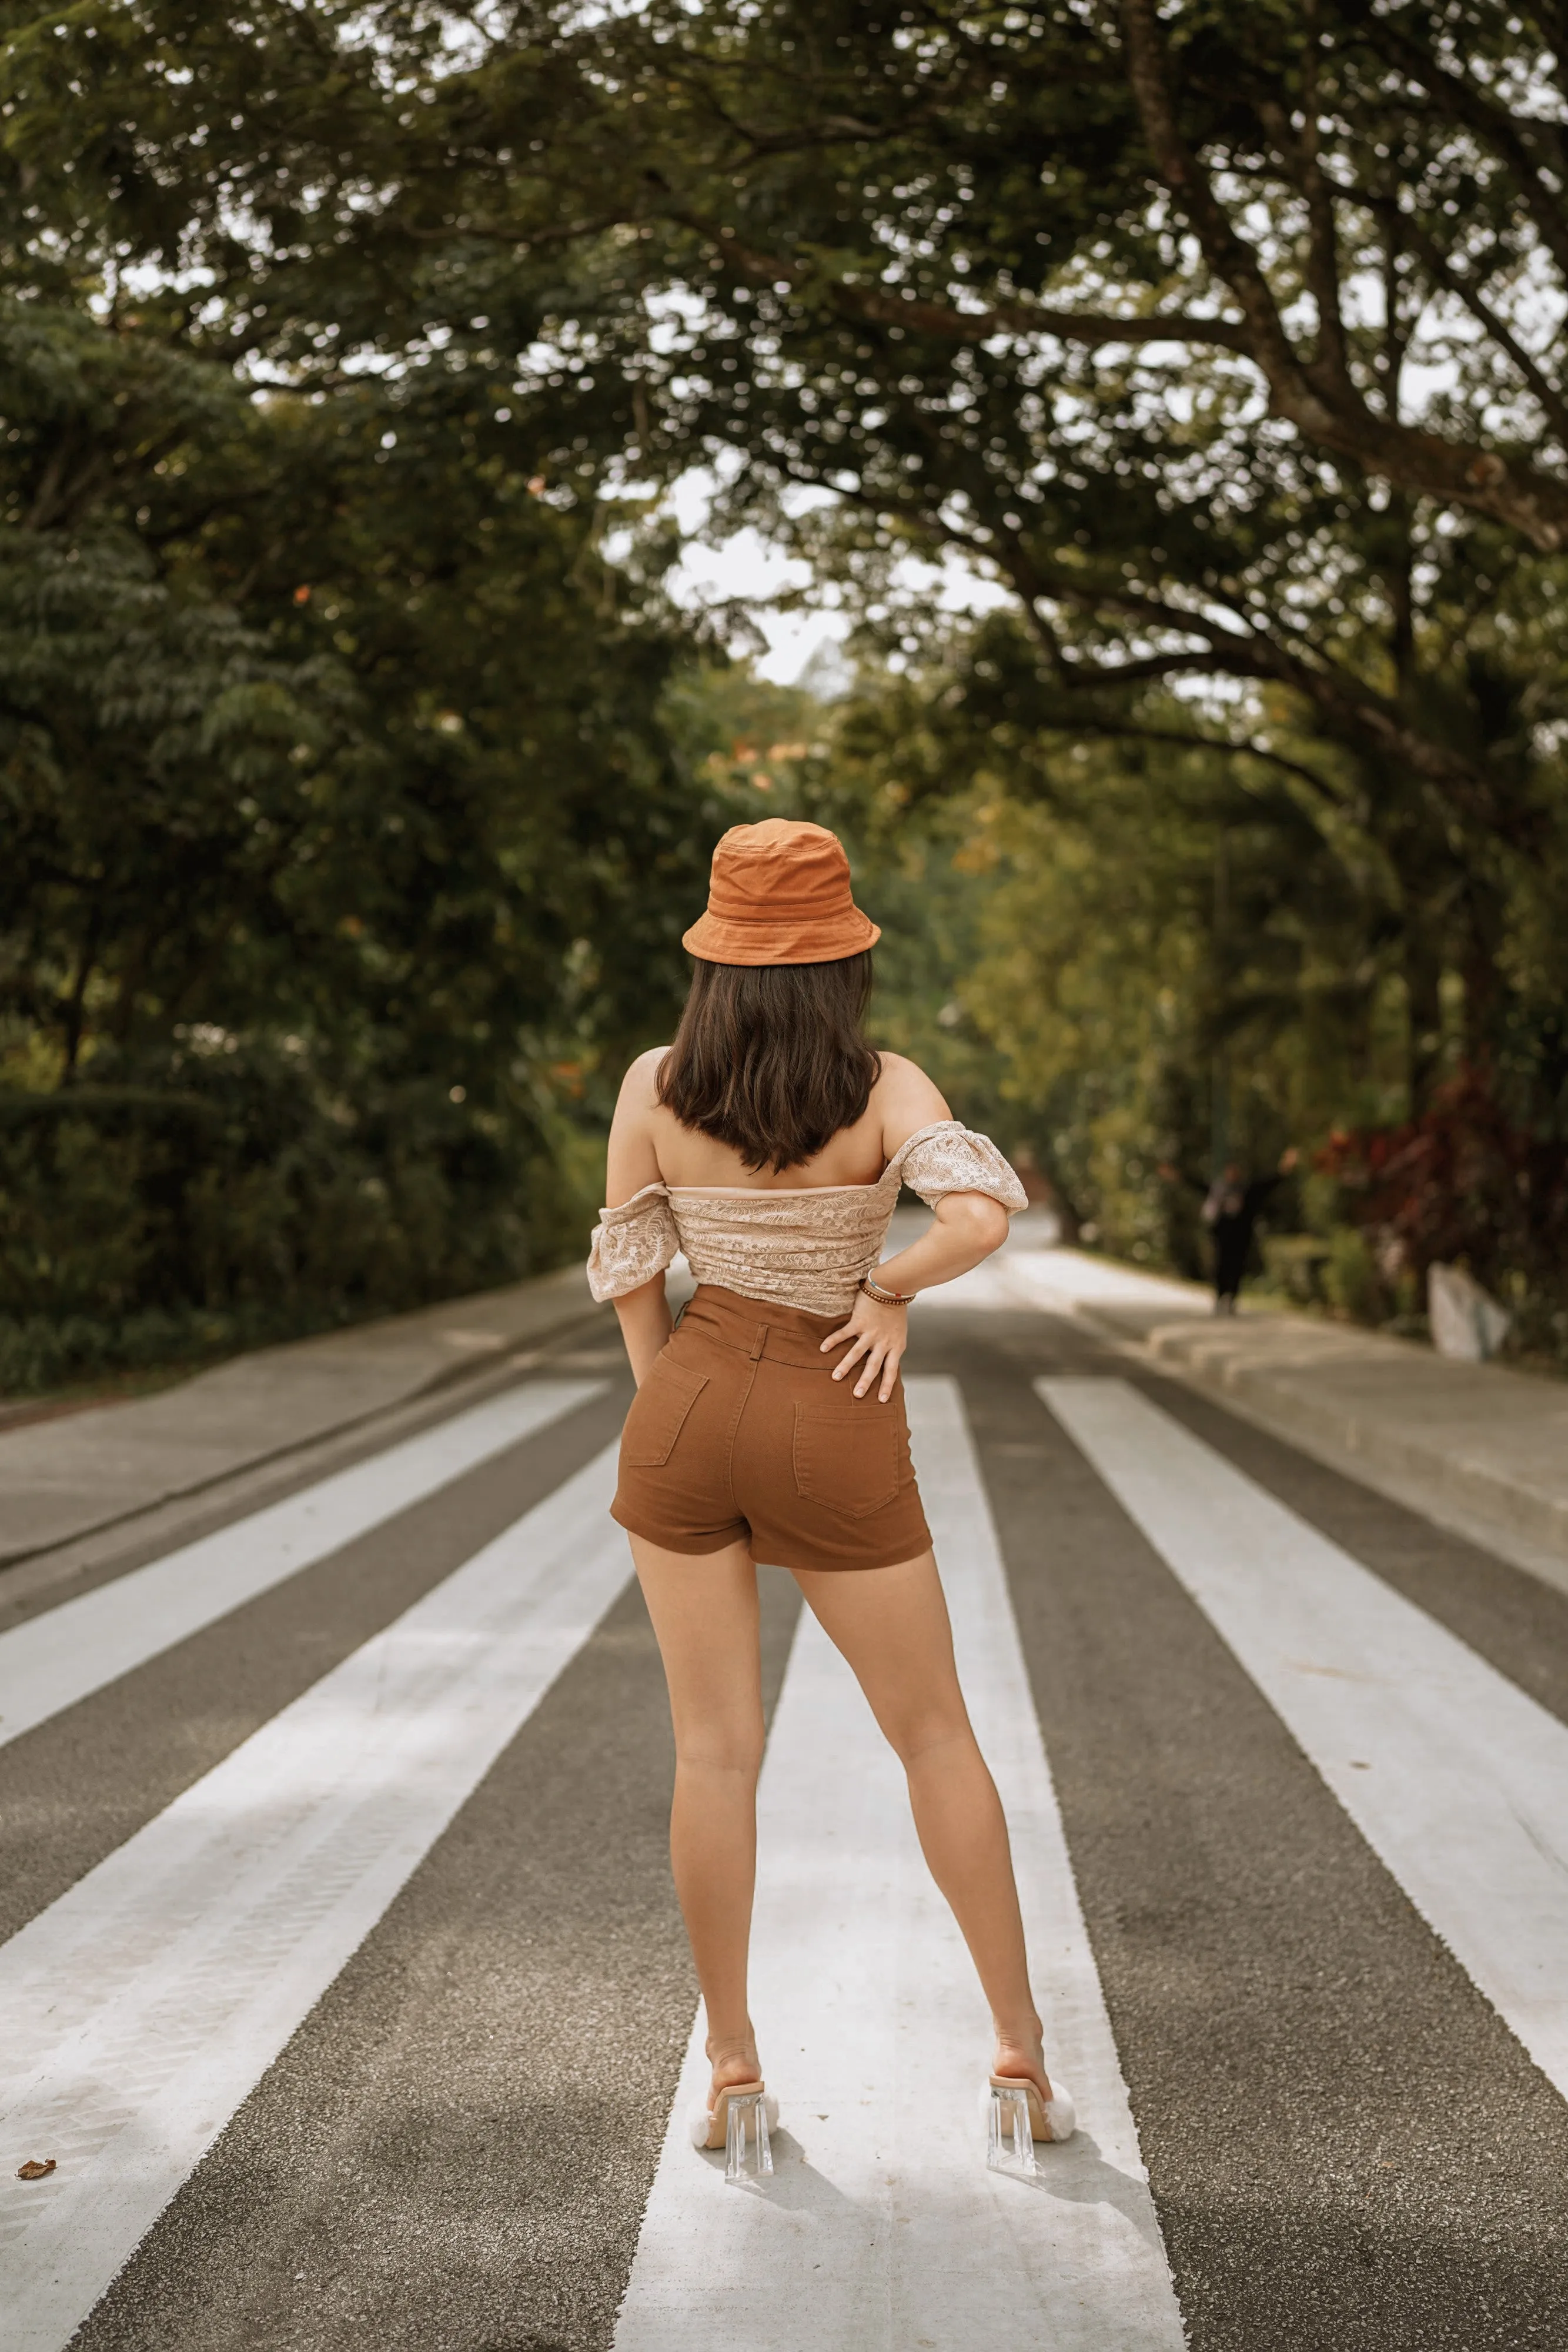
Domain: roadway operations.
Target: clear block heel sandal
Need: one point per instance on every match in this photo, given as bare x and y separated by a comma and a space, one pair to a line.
1016, 2116
740, 2121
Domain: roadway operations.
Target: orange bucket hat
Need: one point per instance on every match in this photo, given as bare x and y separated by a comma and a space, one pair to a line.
779, 893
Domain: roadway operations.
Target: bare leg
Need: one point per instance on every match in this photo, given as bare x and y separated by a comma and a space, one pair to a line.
705, 1611
892, 1625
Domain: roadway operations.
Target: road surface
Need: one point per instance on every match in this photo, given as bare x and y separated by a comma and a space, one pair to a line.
343, 1981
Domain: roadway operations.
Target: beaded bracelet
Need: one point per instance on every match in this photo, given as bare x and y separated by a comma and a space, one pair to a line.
886, 1297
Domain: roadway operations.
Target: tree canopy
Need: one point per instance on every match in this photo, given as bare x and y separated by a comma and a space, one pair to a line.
349, 347
342, 828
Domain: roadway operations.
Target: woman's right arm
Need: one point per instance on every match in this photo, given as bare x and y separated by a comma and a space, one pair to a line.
631, 1162
645, 1324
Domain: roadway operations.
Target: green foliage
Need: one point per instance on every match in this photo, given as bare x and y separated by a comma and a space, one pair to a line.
1136, 923
342, 828
339, 343
344, 834
1350, 1278
1150, 957
1294, 1263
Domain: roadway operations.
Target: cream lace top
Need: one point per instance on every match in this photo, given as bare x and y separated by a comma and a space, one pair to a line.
807, 1247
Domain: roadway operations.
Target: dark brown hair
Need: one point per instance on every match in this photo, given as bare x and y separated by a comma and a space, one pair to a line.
769, 1057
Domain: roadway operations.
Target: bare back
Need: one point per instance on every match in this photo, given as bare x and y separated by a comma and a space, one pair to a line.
648, 1144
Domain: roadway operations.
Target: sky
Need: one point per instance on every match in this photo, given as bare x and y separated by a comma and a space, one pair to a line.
744, 567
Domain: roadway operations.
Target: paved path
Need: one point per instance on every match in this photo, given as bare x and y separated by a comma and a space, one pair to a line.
73, 1472
342, 1977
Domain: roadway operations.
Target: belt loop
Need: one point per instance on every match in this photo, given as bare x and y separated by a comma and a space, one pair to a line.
760, 1343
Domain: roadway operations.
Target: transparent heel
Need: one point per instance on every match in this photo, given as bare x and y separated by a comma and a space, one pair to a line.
747, 2153
1009, 2137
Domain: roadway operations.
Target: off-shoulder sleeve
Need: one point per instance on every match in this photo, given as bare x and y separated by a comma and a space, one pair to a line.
633, 1242
948, 1158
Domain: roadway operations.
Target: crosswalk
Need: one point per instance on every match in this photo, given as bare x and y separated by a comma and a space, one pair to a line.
152, 1998
143, 2008
54, 1661
1455, 1777
883, 2228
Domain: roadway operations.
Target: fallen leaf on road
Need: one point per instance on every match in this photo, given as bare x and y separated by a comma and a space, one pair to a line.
34, 2170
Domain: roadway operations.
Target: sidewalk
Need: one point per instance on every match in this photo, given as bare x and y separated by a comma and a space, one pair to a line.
1479, 1447
67, 1478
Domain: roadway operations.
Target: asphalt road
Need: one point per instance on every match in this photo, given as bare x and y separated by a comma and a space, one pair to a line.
344, 1967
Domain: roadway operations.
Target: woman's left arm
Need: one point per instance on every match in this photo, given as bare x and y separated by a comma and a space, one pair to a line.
966, 1228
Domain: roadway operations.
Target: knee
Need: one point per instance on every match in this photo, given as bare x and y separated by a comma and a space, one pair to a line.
917, 1737
731, 1745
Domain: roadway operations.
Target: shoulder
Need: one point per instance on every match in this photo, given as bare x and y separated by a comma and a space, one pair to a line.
905, 1099
633, 1160
638, 1087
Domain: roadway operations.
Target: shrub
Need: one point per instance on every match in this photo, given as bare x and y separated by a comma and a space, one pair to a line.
1350, 1281
171, 1216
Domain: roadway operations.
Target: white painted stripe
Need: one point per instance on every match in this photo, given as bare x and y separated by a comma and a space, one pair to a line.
1456, 1780
53, 1661
139, 2010
883, 2230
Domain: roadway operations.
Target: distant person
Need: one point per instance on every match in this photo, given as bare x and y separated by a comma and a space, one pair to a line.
1231, 1211
767, 1143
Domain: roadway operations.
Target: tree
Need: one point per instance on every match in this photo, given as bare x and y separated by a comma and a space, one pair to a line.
1210, 339
342, 822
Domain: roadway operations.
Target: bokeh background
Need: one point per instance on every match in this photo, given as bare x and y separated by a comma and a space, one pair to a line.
1168, 421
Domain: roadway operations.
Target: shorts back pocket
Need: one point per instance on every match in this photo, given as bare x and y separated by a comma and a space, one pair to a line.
658, 1414
849, 1459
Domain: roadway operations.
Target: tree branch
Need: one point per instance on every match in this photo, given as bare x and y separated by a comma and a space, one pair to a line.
1076, 673
1552, 403
1310, 395
1464, 103
1322, 276
1228, 255
1248, 748
942, 321
1350, 711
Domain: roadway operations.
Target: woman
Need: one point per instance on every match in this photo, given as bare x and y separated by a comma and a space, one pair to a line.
768, 1142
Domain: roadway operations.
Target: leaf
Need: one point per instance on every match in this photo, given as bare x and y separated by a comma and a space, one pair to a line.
34, 2170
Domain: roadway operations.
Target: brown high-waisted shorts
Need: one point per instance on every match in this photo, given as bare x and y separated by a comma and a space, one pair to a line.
739, 1434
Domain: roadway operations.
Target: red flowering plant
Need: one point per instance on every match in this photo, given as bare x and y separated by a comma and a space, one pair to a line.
1465, 1182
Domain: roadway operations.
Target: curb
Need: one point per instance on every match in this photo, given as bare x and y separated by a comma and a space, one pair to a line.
1312, 1406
